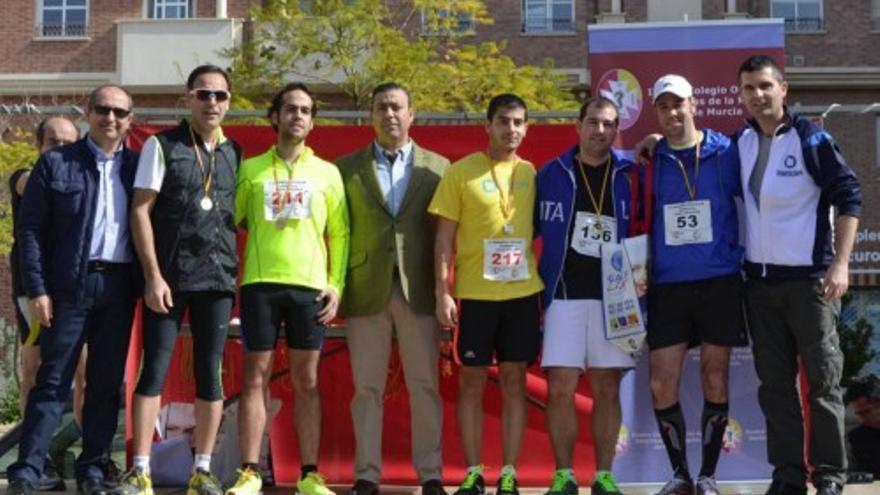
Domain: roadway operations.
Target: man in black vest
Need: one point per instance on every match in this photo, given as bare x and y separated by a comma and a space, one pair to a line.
184, 232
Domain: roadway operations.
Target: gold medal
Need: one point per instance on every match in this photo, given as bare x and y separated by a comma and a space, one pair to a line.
508, 228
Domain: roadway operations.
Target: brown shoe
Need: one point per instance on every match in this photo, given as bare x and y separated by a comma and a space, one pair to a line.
364, 487
433, 487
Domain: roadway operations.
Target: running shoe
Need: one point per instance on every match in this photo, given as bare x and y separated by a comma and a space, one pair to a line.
313, 484
563, 484
135, 482
604, 484
249, 482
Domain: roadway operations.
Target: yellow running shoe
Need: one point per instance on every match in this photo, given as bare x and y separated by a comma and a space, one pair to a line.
203, 483
249, 482
313, 484
136, 482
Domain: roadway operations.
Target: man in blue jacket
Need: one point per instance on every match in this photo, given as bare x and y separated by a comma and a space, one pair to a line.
797, 265
696, 287
76, 264
583, 201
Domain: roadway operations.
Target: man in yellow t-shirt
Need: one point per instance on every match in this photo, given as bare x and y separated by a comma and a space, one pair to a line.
289, 200
484, 206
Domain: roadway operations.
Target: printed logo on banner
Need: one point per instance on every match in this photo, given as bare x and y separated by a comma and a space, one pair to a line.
622, 87
622, 445
733, 436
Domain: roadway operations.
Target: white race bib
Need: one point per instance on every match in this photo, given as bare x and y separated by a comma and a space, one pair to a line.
505, 259
689, 222
591, 231
287, 199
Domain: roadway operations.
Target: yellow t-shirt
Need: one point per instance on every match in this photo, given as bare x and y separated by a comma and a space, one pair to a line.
468, 195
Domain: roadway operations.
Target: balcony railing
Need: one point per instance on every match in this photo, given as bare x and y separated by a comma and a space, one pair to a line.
804, 24
61, 30
548, 25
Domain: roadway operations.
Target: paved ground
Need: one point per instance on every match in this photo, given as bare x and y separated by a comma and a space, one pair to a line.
733, 488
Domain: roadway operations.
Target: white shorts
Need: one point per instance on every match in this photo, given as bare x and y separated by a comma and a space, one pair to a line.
574, 337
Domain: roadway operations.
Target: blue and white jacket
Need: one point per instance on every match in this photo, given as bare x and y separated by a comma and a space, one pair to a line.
789, 227
556, 188
719, 183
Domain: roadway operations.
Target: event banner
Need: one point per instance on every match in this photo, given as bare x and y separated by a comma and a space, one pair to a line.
625, 60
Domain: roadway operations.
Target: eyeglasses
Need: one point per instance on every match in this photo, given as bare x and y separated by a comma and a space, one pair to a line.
119, 113
220, 95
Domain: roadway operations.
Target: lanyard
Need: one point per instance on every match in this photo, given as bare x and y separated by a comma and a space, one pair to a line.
287, 198
691, 188
206, 180
506, 204
597, 207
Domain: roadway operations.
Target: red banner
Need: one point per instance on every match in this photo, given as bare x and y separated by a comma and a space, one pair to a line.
337, 442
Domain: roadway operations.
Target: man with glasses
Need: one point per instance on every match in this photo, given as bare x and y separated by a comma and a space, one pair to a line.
184, 233
78, 272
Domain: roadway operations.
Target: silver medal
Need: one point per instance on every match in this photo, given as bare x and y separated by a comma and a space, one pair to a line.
508, 228
206, 203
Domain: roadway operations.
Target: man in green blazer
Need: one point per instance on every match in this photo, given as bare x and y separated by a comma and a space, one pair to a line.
390, 288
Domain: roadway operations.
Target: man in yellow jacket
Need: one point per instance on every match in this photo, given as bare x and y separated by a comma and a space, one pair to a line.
289, 200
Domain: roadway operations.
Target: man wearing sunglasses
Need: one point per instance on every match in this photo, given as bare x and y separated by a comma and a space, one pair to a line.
76, 265
184, 233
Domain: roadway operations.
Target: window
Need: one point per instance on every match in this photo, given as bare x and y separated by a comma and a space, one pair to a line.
548, 16
875, 14
799, 15
464, 24
170, 9
62, 18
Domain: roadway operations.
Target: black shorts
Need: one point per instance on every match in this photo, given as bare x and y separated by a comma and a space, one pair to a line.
28, 330
265, 306
710, 311
508, 329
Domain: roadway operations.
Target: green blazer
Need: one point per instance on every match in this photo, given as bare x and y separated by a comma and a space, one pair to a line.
377, 237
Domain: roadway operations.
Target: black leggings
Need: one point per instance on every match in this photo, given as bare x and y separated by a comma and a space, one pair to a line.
209, 314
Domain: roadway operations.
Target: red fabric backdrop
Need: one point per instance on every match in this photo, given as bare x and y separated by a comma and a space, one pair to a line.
337, 444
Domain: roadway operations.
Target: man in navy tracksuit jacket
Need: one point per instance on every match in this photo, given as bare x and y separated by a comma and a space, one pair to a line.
583, 201
78, 272
797, 266
696, 289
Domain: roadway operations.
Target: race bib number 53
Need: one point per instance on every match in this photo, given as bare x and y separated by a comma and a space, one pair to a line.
689, 222
505, 259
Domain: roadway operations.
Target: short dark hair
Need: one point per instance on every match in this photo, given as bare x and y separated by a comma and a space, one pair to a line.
867, 386
207, 69
390, 86
93, 96
40, 132
761, 62
505, 100
275, 106
599, 102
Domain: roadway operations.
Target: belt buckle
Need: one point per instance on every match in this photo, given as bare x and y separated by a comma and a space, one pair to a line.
98, 266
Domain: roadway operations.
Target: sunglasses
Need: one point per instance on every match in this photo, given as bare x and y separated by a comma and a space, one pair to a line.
219, 95
119, 113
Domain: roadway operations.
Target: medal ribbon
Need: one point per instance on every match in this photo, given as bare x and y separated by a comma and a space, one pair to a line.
691, 188
206, 180
506, 204
287, 199
597, 207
